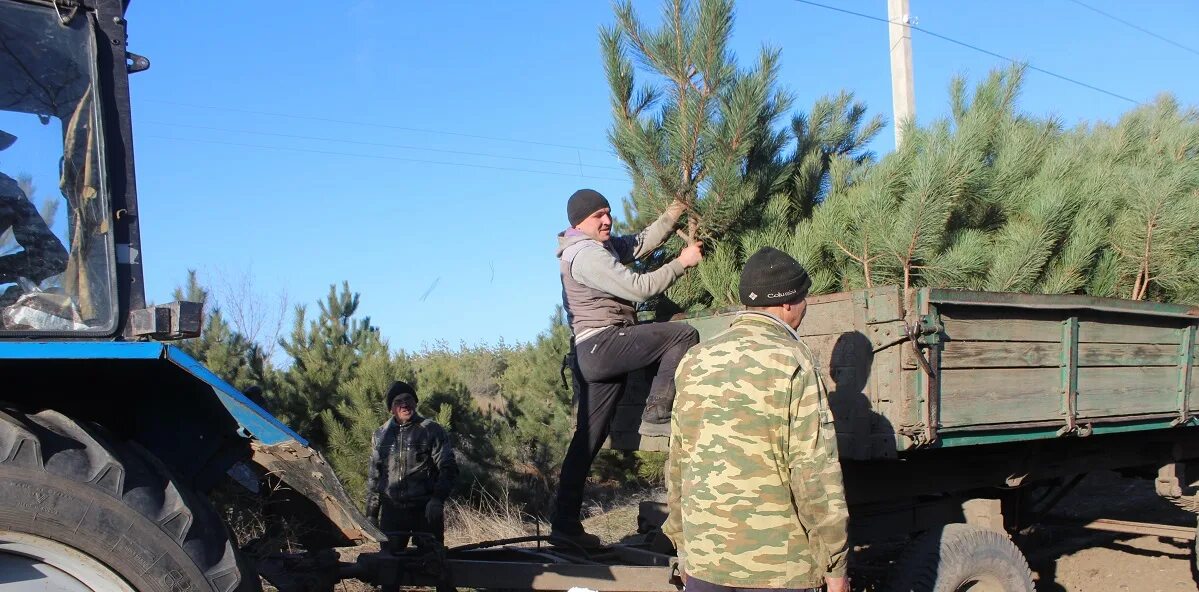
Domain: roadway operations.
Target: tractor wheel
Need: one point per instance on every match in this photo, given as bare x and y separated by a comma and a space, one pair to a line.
83, 511
958, 558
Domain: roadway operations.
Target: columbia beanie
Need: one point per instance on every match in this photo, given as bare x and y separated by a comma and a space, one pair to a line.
772, 277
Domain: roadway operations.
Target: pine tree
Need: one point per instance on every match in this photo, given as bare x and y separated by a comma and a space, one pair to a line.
325, 352
710, 135
1155, 232
360, 412
535, 427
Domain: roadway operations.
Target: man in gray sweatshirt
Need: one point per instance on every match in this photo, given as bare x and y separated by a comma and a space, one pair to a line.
598, 293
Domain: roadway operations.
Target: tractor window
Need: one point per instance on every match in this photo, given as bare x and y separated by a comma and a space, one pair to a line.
56, 254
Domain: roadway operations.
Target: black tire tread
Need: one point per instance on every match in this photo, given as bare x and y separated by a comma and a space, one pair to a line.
923, 563
60, 446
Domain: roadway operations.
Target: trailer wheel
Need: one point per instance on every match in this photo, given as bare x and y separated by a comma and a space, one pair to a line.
960, 557
1195, 555
79, 507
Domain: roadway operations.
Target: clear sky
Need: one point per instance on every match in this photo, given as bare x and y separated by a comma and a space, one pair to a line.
424, 151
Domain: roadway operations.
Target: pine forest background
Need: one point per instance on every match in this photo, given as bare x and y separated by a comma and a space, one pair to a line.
989, 198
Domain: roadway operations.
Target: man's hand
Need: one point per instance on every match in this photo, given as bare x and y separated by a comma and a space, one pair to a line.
434, 511
840, 584
676, 209
692, 254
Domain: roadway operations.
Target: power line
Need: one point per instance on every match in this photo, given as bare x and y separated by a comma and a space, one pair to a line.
375, 124
378, 157
381, 145
976, 48
1141, 29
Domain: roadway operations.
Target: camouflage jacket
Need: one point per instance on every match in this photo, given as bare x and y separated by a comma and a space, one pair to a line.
754, 481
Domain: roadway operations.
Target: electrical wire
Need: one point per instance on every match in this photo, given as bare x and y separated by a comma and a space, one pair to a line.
993, 54
1141, 29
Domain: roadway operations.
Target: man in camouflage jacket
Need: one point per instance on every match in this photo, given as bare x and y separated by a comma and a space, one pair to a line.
411, 471
754, 482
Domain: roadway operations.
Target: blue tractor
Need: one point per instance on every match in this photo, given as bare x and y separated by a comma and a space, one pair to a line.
111, 437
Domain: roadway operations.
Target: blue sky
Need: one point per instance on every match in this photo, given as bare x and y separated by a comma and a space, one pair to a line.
423, 151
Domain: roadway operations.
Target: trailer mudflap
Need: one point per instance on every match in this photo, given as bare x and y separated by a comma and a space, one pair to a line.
306, 472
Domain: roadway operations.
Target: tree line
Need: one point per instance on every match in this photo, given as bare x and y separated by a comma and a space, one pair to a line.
985, 198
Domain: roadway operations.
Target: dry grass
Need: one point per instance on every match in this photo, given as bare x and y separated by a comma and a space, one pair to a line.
487, 519
494, 518
615, 523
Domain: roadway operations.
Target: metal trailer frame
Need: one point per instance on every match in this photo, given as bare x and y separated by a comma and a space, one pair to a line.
631, 566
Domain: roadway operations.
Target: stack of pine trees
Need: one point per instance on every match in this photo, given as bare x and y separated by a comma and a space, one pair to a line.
987, 199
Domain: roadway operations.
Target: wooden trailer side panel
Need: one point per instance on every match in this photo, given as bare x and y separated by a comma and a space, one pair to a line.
856, 338
1011, 368
987, 368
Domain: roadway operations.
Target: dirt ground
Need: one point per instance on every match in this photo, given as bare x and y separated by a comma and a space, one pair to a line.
1066, 558
1063, 558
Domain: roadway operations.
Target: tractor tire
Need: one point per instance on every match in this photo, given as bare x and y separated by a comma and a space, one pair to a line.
80, 507
960, 557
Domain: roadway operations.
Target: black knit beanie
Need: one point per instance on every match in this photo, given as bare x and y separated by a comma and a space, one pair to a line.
583, 203
396, 389
772, 277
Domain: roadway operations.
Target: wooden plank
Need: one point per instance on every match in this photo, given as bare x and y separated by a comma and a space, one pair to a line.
1001, 325
828, 315
824, 348
997, 396
1126, 391
1126, 354
709, 327
885, 304
1008, 354
993, 354
1138, 330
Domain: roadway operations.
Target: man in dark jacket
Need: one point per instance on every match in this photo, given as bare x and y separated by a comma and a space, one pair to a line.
411, 471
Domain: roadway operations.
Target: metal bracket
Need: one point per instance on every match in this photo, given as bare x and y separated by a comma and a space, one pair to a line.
176, 320
1186, 359
70, 6
927, 333
1069, 372
135, 63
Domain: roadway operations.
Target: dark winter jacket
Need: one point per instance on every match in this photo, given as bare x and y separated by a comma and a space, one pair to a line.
411, 463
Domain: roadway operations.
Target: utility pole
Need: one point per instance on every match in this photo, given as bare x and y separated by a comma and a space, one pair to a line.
903, 92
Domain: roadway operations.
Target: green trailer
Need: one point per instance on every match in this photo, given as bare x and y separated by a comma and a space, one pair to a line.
947, 368
952, 407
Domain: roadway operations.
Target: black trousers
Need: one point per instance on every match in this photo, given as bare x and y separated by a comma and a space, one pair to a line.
604, 361
411, 518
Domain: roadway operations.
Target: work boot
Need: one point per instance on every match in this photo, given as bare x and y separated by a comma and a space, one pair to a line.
657, 408
574, 536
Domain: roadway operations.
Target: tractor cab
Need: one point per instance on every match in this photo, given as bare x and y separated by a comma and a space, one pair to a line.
57, 255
